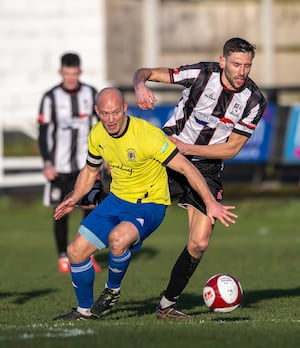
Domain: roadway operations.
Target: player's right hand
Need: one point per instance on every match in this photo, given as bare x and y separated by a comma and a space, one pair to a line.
50, 173
65, 207
145, 98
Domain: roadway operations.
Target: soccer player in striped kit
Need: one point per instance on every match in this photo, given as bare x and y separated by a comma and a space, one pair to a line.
66, 116
217, 113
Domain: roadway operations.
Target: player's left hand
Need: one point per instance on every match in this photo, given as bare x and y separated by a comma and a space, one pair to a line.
222, 213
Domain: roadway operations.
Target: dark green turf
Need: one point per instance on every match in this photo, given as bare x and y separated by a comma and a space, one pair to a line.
262, 250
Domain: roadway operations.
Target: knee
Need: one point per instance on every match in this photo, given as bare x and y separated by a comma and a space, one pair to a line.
197, 247
203, 245
73, 254
116, 244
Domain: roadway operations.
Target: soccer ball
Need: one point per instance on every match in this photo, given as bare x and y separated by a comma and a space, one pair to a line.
222, 293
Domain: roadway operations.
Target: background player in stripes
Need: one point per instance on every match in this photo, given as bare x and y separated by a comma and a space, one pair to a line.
65, 118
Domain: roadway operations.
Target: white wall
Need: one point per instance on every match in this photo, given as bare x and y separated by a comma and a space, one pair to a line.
33, 35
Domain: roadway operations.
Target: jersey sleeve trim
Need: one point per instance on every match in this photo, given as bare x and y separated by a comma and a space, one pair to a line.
172, 155
240, 132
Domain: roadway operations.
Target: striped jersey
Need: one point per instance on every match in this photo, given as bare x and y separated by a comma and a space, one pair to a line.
207, 112
65, 119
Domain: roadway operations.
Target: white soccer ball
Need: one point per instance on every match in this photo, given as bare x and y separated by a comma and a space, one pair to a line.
222, 293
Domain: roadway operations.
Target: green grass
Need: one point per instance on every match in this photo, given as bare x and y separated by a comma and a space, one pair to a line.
19, 144
261, 250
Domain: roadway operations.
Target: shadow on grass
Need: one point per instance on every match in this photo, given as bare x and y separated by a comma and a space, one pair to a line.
190, 303
253, 296
23, 297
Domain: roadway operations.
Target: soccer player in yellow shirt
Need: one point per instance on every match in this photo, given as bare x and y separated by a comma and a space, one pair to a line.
137, 153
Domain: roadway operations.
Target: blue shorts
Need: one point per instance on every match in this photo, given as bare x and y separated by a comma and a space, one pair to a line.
97, 226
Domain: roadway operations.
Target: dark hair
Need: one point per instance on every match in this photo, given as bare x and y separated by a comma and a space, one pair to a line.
70, 59
238, 45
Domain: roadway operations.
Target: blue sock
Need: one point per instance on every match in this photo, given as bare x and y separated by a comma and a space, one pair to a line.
83, 276
117, 267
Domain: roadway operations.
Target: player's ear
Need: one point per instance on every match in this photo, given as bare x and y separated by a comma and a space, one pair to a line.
125, 106
96, 110
222, 62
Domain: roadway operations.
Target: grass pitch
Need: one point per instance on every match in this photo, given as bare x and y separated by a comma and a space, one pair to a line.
261, 250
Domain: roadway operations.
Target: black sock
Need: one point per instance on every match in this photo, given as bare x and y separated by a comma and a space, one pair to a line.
180, 275
61, 234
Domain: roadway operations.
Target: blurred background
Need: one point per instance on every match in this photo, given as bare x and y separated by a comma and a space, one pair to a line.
115, 37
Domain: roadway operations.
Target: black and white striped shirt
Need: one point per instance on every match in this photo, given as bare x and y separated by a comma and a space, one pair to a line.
65, 119
207, 112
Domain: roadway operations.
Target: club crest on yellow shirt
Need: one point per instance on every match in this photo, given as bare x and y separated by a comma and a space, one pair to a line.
131, 155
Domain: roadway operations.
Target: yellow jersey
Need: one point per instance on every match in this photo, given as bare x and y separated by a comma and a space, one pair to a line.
137, 160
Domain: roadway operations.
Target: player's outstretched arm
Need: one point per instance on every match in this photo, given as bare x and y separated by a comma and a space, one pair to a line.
224, 150
83, 185
145, 98
214, 210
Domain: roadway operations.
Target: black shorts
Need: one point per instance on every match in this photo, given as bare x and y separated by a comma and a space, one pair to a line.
181, 190
56, 190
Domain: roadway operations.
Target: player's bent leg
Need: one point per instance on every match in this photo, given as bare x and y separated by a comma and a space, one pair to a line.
83, 275
117, 267
80, 249
120, 239
200, 230
182, 270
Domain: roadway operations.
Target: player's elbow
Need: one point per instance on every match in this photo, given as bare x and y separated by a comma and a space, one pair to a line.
230, 155
231, 152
